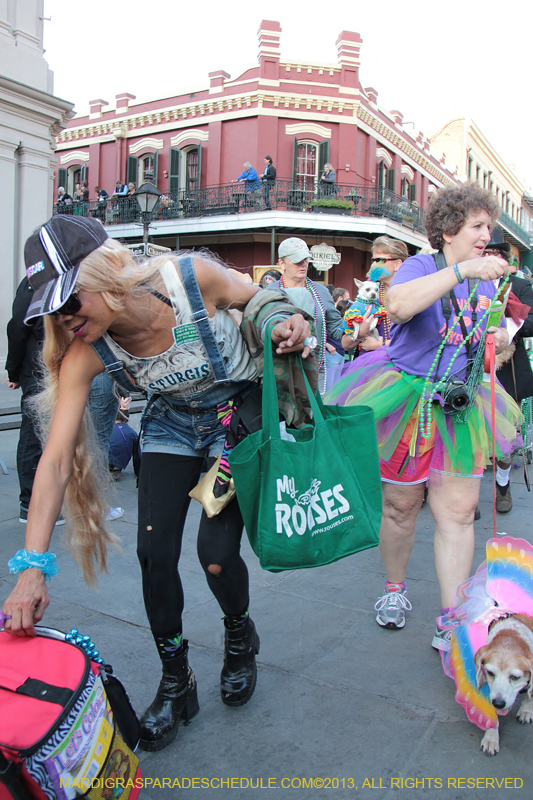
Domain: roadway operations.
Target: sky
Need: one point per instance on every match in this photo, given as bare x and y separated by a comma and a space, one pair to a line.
433, 61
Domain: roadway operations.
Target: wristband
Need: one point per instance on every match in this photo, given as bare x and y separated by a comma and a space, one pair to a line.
24, 559
458, 274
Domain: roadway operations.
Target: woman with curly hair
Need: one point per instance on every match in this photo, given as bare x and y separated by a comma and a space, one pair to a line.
444, 453
163, 327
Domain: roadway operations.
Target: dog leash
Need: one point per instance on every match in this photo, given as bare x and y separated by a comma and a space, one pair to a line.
490, 362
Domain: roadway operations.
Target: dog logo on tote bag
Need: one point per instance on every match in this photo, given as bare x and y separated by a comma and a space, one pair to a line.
309, 510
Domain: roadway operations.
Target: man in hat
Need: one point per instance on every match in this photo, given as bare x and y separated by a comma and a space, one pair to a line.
314, 298
515, 372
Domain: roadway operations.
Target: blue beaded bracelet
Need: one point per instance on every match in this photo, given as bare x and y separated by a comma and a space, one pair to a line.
24, 559
458, 274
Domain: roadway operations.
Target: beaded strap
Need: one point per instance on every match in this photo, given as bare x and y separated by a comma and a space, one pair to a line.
26, 559
432, 388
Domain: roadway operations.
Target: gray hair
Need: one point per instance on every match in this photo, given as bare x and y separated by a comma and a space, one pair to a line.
247, 165
61, 189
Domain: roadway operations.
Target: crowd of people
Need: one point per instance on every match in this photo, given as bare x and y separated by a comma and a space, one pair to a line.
107, 317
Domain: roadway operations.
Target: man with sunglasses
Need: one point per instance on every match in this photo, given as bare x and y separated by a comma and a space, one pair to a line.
388, 255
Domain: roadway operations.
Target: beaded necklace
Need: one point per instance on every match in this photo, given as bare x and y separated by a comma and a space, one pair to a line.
383, 303
432, 388
319, 306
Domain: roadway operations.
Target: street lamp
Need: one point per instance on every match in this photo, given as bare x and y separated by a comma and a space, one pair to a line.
147, 196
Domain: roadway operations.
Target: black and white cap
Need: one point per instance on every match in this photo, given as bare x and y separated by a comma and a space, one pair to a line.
53, 255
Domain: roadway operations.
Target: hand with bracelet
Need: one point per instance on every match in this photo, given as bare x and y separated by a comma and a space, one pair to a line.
29, 599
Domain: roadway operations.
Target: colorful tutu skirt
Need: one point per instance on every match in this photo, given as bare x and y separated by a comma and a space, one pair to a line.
502, 585
452, 447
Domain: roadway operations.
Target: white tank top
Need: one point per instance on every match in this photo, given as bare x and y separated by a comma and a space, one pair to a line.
184, 369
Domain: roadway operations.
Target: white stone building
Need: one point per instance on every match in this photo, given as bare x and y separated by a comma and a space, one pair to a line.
30, 118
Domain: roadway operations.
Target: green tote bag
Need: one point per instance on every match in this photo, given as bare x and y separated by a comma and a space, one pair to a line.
315, 499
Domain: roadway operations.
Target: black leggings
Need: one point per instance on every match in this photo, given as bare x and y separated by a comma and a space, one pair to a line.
165, 481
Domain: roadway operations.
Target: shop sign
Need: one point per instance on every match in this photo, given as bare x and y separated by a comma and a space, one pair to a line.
323, 257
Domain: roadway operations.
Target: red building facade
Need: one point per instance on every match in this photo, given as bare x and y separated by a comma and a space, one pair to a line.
303, 116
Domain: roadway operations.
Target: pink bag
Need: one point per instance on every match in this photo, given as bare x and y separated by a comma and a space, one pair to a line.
67, 727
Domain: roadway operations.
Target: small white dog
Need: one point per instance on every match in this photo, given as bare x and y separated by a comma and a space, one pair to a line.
368, 292
505, 663
368, 295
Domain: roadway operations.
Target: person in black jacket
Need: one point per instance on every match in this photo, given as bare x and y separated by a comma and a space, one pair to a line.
515, 373
24, 371
269, 179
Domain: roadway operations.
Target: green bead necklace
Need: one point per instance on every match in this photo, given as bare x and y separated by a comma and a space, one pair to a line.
431, 388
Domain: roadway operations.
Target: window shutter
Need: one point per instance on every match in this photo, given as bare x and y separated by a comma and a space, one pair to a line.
412, 192
83, 173
199, 182
323, 156
62, 177
294, 160
390, 179
132, 171
174, 162
156, 159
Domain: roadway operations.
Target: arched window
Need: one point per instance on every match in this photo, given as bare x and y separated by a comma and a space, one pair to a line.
192, 163
382, 175
307, 166
146, 165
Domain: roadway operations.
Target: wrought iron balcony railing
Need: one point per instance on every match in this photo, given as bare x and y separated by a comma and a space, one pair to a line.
234, 198
513, 227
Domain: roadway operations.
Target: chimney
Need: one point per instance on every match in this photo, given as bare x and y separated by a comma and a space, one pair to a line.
216, 81
269, 35
348, 48
95, 108
397, 117
372, 94
123, 102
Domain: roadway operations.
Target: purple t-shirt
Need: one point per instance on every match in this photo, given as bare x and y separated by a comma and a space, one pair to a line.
414, 344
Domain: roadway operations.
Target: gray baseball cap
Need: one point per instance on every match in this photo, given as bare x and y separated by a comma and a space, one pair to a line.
295, 249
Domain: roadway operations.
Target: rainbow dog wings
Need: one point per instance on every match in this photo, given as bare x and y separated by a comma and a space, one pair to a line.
503, 584
357, 311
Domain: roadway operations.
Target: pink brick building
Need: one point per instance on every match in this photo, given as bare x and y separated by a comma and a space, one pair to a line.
303, 115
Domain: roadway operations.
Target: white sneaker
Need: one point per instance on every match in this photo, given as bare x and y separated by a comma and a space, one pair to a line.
114, 513
391, 607
442, 640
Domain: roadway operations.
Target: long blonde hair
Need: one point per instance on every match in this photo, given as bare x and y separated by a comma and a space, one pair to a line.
111, 271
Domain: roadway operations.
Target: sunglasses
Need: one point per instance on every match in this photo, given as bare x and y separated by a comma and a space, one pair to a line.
72, 306
381, 260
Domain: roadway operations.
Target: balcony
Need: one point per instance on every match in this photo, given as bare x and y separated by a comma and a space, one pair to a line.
284, 195
516, 230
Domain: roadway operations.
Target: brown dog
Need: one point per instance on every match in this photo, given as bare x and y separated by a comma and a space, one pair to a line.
505, 663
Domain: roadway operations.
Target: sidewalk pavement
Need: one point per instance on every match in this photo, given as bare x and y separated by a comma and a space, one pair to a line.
338, 699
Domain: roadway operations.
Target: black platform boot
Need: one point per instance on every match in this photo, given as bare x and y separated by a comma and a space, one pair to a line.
176, 699
239, 673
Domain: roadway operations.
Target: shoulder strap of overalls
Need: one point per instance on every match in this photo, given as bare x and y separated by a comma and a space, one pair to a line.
115, 369
200, 317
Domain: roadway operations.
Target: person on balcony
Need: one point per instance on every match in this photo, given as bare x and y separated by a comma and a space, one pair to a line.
119, 200
251, 184
99, 211
250, 178
327, 181
64, 201
269, 180
100, 306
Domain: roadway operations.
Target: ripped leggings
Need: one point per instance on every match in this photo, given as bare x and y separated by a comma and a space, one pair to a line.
165, 481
